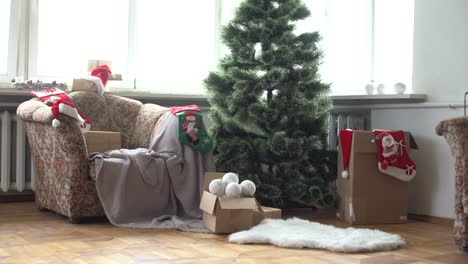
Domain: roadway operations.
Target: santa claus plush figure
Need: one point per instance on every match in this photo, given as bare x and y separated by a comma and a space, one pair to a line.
393, 156
190, 127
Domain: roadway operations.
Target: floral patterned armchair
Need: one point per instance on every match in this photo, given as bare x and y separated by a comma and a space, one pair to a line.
455, 132
64, 178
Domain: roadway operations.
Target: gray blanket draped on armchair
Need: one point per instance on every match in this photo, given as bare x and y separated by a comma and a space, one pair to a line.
158, 187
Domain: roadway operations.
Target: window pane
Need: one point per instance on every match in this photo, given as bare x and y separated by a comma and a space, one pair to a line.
72, 32
4, 34
175, 45
348, 46
393, 52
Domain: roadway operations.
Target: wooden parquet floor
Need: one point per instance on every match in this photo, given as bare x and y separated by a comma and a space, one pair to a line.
30, 236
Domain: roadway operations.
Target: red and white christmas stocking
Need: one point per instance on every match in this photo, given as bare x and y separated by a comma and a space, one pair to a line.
346, 137
61, 103
393, 156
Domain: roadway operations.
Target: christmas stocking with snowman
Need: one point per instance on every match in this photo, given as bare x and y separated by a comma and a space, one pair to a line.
393, 155
191, 130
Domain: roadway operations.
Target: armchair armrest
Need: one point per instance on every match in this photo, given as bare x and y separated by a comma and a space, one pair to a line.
145, 125
59, 153
61, 165
35, 110
453, 123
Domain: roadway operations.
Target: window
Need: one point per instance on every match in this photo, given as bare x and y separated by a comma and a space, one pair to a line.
4, 35
175, 45
364, 41
162, 47
168, 47
393, 42
69, 33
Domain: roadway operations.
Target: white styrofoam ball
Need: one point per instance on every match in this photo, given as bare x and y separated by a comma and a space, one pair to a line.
400, 88
233, 190
381, 88
370, 88
216, 187
230, 177
248, 188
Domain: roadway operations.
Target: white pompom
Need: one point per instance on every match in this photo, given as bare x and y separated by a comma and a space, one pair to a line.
233, 190
230, 177
55, 123
216, 187
345, 174
248, 188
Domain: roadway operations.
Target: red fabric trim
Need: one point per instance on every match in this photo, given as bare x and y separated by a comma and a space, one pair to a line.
176, 109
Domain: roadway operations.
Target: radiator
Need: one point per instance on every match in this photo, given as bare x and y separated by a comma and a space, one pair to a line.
356, 120
16, 170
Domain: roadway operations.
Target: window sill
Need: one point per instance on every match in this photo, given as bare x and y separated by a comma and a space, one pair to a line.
378, 99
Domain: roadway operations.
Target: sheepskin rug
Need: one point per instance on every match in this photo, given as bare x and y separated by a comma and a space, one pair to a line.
299, 233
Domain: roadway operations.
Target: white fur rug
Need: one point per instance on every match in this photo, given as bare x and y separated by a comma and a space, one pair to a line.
298, 233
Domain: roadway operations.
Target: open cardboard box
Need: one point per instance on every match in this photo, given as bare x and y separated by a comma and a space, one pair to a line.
102, 141
369, 196
228, 215
84, 85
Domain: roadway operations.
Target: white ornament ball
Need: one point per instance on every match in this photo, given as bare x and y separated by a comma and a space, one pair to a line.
233, 190
370, 89
216, 187
345, 174
400, 88
248, 188
230, 177
381, 88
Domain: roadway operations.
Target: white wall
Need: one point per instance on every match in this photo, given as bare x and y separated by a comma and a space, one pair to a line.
440, 60
440, 70
432, 191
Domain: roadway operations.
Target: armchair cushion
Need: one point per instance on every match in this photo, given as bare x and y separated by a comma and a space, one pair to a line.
122, 113
145, 125
94, 107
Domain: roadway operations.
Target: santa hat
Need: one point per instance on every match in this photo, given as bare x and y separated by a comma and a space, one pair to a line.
346, 137
102, 72
61, 103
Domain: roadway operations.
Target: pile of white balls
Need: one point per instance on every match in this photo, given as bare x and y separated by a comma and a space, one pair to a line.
229, 186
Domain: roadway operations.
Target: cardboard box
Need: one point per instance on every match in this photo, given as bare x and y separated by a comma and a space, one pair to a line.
102, 141
229, 215
369, 196
84, 85
265, 212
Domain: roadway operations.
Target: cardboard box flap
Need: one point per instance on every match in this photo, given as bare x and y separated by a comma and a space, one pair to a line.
238, 203
412, 143
209, 176
208, 202
259, 206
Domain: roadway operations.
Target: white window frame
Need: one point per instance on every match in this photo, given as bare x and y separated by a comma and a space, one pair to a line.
14, 45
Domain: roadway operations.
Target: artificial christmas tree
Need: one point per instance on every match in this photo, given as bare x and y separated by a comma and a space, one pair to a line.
269, 107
